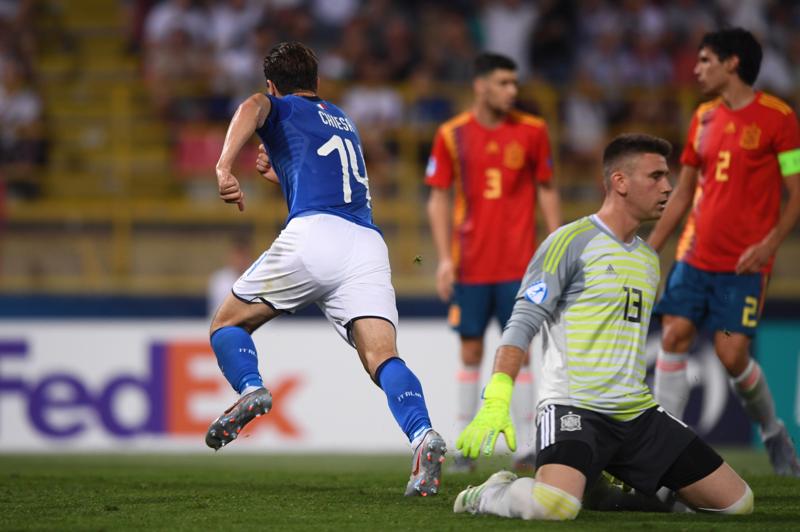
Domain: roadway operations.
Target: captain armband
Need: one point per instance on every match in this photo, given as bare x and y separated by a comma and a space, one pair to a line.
790, 162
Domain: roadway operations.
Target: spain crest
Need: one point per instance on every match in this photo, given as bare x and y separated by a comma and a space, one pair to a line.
751, 135
570, 422
514, 156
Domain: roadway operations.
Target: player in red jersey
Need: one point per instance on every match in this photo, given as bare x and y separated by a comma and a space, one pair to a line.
743, 149
497, 161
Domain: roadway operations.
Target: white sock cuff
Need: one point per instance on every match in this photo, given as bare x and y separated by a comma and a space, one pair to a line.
668, 361
525, 376
747, 374
419, 437
468, 373
249, 389
743, 506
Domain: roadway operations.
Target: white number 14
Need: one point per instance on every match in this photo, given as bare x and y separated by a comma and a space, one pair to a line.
345, 147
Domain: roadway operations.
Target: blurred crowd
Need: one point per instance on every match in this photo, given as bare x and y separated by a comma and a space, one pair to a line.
393, 64
375, 43
200, 59
22, 139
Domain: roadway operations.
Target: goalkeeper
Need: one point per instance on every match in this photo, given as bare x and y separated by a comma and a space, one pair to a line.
589, 292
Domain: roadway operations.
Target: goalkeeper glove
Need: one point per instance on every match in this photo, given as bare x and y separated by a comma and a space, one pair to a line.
492, 419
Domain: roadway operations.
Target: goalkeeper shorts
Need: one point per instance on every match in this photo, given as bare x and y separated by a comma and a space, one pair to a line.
647, 452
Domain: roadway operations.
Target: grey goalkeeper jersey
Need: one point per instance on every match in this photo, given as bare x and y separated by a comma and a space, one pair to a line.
590, 295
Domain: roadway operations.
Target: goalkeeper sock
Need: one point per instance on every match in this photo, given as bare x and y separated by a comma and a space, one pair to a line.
237, 358
526, 498
522, 405
671, 386
753, 390
404, 394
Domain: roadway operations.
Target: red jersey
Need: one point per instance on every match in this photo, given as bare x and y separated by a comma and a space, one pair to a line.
738, 196
495, 173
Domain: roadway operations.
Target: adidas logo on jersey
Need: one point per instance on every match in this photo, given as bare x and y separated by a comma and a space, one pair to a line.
611, 271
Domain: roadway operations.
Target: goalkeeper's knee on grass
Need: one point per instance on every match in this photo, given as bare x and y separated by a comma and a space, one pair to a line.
529, 499
743, 506
551, 503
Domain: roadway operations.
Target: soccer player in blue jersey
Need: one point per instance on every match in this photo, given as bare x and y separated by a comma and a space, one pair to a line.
330, 253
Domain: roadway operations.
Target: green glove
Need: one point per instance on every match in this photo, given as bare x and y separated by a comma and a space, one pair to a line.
492, 419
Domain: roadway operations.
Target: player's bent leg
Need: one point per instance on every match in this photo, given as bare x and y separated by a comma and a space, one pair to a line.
705, 482
554, 495
733, 350
722, 491
471, 350
233, 346
374, 339
751, 386
237, 358
671, 385
238, 313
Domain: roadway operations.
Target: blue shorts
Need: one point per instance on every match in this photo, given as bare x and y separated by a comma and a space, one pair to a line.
719, 301
473, 305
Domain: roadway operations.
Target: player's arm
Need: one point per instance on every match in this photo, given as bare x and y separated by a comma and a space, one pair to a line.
679, 202
264, 167
439, 218
756, 256
251, 115
539, 295
787, 148
550, 204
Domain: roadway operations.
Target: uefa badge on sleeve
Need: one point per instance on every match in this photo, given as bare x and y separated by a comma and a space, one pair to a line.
430, 169
536, 293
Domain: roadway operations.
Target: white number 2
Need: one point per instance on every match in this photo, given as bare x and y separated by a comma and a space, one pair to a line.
345, 147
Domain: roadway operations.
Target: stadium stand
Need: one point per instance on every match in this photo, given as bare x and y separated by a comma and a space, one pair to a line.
117, 192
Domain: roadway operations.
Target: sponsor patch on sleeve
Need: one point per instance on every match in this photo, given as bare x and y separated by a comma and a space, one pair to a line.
536, 293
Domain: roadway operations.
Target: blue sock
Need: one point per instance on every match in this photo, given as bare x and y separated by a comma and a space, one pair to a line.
404, 393
237, 357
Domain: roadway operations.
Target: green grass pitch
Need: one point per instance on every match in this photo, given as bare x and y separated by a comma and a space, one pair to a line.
292, 492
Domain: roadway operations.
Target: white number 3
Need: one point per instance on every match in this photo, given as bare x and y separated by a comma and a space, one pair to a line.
345, 147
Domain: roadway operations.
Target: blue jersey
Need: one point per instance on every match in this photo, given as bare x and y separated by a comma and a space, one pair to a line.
316, 153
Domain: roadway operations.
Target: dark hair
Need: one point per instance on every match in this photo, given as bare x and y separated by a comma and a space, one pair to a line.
741, 43
292, 67
487, 62
628, 144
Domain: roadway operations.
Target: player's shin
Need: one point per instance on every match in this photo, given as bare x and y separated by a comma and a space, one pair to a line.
467, 381
743, 506
671, 387
526, 498
753, 390
522, 409
237, 358
404, 394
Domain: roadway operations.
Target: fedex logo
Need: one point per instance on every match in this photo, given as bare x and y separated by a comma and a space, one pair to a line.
167, 388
